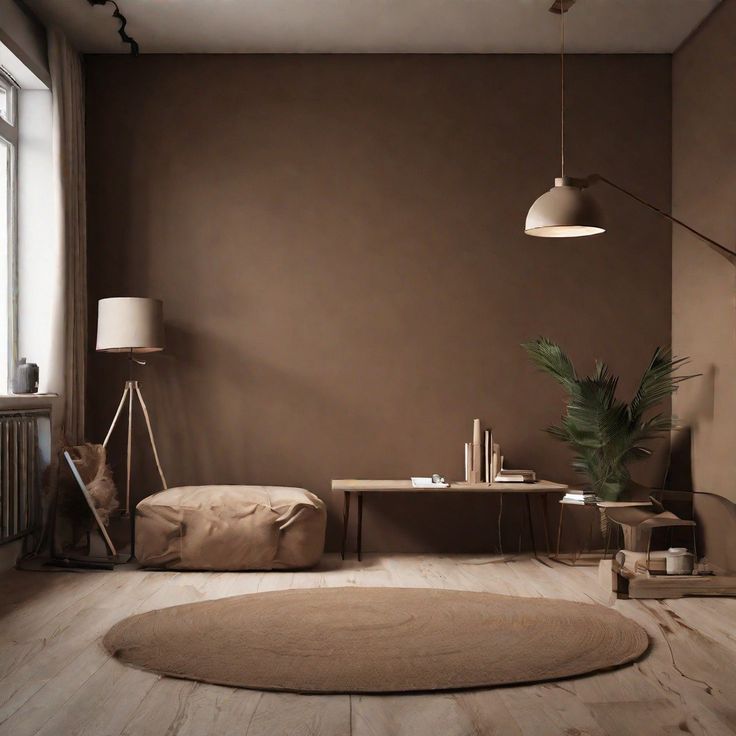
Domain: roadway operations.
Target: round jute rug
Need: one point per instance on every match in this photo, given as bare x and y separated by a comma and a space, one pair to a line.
346, 640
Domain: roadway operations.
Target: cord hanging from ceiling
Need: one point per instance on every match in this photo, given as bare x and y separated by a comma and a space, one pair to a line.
561, 7
134, 50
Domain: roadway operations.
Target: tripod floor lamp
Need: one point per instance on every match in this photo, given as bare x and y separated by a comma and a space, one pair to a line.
131, 325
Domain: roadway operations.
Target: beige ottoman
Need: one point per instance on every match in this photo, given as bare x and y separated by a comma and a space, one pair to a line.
230, 528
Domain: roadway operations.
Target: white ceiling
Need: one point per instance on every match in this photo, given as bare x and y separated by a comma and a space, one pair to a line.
377, 26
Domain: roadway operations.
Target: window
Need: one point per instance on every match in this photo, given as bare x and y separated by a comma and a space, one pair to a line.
8, 228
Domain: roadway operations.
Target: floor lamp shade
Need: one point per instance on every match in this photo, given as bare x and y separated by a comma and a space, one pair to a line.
130, 324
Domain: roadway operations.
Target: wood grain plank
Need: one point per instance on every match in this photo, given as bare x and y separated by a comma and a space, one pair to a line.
411, 715
55, 678
300, 715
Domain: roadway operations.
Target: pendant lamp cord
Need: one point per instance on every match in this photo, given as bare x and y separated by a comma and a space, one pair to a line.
562, 88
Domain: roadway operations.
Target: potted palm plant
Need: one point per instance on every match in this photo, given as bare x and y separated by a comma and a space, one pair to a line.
605, 433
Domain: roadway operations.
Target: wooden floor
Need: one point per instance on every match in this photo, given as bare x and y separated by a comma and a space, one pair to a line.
55, 678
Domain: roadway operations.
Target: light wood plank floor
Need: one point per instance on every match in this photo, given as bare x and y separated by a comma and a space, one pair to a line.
55, 678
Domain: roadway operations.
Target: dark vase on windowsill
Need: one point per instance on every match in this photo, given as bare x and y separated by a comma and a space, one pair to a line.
25, 380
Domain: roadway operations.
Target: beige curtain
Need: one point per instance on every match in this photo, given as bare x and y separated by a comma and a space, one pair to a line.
67, 87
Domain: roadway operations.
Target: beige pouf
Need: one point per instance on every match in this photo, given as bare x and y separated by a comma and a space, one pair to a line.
230, 528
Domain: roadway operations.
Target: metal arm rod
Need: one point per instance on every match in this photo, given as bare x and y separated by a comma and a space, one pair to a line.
726, 252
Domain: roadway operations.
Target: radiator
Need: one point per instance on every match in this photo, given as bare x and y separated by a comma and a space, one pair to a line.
19, 473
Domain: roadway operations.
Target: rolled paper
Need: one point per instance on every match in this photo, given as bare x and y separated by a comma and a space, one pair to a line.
477, 453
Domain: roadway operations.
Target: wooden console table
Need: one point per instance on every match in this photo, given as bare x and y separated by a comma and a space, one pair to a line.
348, 487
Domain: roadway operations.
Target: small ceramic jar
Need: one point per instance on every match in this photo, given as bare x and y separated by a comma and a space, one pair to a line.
679, 561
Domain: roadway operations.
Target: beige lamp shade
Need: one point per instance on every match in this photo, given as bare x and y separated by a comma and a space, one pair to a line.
130, 324
565, 211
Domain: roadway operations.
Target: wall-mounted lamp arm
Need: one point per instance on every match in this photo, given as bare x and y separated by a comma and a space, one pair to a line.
726, 252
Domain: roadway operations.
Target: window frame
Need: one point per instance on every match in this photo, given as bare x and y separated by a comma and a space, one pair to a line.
9, 134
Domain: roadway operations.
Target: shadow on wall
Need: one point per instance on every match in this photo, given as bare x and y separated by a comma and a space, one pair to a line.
680, 471
242, 393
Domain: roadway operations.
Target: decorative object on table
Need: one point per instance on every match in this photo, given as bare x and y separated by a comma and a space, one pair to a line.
507, 475
566, 210
481, 456
679, 561
378, 640
433, 481
496, 459
25, 378
131, 325
230, 528
477, 473
581, 497
606, 433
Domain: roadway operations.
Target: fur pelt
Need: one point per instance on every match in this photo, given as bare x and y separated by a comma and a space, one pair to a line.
91, 462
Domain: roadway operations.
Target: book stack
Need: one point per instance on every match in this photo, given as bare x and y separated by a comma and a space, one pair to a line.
580, 497
505, 475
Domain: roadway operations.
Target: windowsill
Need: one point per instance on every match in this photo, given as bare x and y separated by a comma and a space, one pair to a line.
21, 402
25, 397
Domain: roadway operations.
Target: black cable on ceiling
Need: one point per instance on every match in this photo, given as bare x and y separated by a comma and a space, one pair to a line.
123, 22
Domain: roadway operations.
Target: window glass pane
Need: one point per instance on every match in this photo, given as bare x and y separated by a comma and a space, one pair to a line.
7, 100
5, 200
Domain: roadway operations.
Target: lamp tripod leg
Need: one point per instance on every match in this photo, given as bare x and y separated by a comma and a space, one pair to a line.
117, 415
130, 451
150, 435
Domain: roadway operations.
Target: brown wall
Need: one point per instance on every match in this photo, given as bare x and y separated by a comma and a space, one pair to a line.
703, 282
338, 243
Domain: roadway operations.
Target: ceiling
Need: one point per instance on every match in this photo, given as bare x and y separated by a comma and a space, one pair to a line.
377, 26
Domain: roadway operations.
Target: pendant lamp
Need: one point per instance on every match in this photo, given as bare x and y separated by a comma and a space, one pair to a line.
565, 211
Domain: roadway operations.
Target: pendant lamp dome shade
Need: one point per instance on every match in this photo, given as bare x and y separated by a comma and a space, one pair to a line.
565, 211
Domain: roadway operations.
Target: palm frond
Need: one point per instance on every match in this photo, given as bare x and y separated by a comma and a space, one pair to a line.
658, 382
550, 357
605, 433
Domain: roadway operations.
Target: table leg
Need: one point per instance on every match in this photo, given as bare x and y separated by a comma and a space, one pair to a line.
498, 524
545, 516
559, 529
345, 520
360, 526
531, 526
